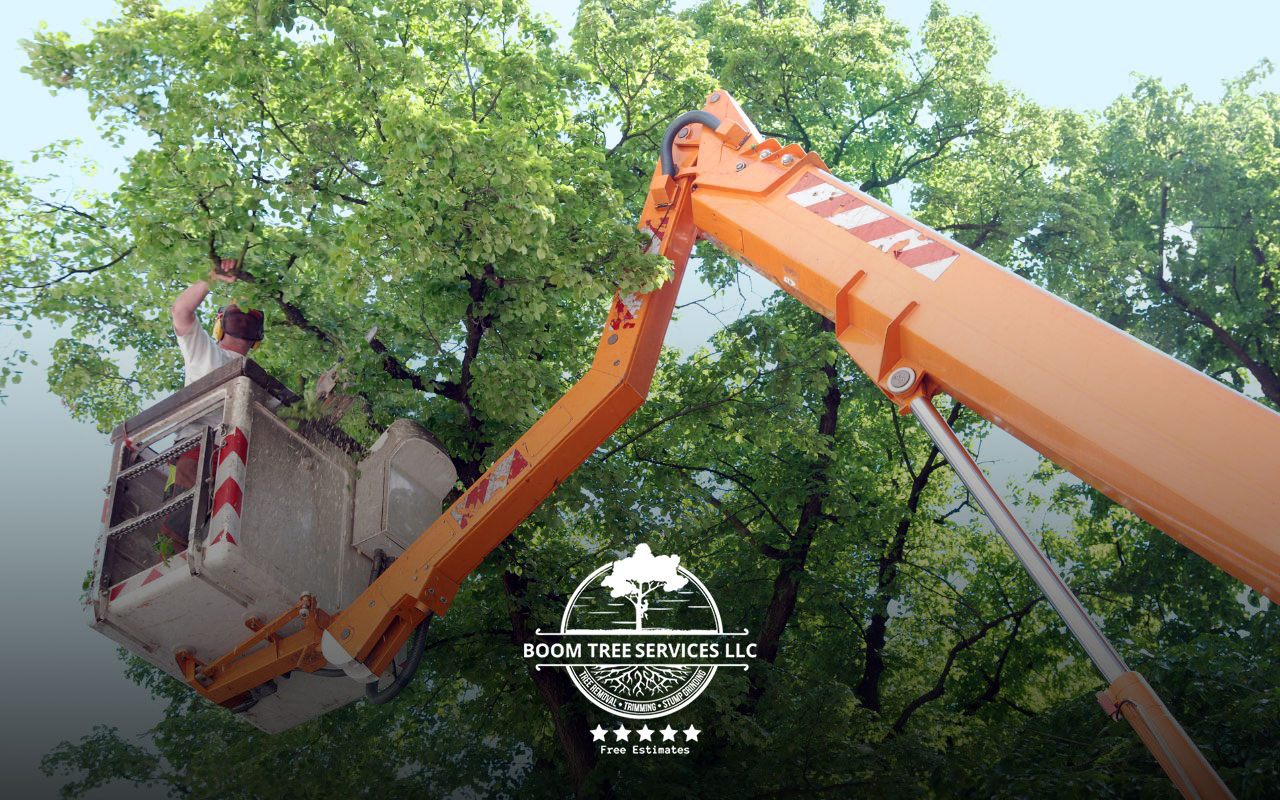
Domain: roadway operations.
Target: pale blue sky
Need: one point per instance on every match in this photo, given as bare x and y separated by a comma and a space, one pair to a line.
63, 678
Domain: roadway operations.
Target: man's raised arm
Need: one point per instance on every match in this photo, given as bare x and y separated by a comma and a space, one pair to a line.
185, 305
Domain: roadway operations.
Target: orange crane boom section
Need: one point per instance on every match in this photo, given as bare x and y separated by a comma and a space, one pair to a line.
1191, 456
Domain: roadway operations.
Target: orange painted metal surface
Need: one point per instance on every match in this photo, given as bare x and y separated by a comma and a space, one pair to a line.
1182, 761
260, 657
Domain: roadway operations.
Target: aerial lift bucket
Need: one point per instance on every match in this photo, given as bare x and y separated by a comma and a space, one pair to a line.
219, 516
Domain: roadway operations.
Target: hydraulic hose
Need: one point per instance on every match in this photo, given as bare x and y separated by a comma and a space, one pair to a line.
669, 138
375, 696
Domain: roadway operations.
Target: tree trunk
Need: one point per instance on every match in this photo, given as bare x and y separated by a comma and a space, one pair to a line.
868, 689
557, 691
786, 586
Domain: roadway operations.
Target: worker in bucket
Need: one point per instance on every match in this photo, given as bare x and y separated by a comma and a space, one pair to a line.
236, 331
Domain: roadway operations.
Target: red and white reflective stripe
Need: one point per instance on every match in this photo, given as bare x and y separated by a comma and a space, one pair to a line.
228, 494
237, 444
147, 576
502, 473
224, 517
845, 209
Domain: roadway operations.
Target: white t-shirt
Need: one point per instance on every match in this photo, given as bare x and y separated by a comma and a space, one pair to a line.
201, 353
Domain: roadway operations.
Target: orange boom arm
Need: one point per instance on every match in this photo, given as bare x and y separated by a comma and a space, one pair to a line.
919, 314
1187, 454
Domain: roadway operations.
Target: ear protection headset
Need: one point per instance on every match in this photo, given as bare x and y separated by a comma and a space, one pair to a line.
220, 330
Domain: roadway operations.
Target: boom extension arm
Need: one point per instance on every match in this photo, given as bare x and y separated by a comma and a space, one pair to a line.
1189, 455
920, 315
365, 636
427, 575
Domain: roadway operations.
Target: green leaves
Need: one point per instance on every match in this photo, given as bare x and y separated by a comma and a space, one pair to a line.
100, 759
1166, 226
405, 186
86, 373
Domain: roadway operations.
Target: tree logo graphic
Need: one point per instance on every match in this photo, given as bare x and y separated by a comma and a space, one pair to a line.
641, 637
637, 577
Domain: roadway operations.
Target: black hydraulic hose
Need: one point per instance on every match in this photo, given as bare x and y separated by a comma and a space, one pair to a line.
375, 696
328, 672
669, 138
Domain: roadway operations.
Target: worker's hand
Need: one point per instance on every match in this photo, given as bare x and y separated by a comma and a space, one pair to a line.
227, 270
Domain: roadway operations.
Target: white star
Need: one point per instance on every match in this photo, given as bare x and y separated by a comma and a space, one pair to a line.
646, 735
691, 734
668, 734
622, 733
598, 733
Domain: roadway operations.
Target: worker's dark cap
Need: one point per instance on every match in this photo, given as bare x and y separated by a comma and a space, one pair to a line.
242, 324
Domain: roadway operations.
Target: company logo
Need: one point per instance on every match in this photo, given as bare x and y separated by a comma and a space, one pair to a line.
641, 637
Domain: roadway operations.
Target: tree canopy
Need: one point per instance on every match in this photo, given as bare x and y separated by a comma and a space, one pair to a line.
439, 199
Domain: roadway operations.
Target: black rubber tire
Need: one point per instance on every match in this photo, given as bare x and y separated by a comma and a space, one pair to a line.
375, 696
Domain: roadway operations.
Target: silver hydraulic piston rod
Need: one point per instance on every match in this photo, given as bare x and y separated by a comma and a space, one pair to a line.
1129, 694
1033, 559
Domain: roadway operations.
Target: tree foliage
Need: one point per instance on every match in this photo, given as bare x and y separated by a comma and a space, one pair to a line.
438, 198
1167, 224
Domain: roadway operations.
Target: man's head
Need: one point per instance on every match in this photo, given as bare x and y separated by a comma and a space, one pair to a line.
238, 330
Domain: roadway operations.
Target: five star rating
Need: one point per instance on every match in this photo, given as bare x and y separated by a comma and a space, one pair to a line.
645, 734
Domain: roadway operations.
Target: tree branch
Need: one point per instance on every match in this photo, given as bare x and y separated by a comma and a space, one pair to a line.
868, 688
786, 586
939, 686
72, 271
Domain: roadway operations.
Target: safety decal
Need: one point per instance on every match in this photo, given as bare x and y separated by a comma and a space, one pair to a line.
842, 208
236, 444
142, 579
624, 311
502, 473
228, 496
229, 493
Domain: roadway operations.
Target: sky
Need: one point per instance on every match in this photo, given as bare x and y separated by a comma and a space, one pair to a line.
58, 678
